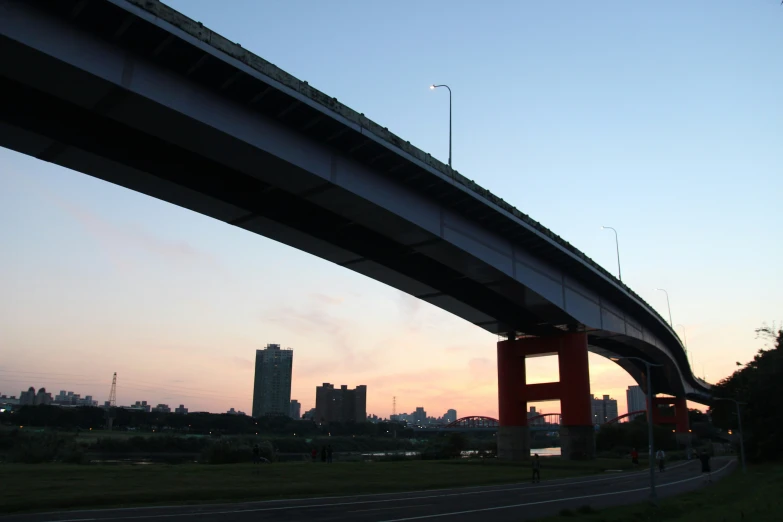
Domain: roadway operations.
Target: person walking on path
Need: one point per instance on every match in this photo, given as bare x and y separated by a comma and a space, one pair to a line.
635, 458
256, 454
660, 456
536, 469
705, 465
314, 454
323, 453
329, 454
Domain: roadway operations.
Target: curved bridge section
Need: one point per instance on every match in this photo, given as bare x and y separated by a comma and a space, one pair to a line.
137, 94
473, 422
628, 417
546, 420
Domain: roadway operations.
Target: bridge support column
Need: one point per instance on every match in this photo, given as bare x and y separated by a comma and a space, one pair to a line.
679, 419
513, 439
573, 391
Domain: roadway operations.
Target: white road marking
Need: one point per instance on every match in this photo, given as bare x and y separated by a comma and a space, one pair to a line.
522, 486
386, 508
466, 512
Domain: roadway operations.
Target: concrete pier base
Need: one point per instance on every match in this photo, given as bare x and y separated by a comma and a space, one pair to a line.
513, 443
577, 442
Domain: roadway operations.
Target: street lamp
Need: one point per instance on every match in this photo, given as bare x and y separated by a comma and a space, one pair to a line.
433, 87
739, 425
668, 305
688, 356
649, 366
617, 246
684, 336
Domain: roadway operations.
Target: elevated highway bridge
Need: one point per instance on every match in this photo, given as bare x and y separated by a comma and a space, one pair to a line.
139, 95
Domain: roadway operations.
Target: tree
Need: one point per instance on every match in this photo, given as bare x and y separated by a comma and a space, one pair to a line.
758, 384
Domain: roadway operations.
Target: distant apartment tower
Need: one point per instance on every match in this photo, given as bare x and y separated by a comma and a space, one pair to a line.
604, 409
340, 404
296, 409
31, 398
536, 416
637, 400
141, 406
450, 416
182, 410
272, 386
419, 416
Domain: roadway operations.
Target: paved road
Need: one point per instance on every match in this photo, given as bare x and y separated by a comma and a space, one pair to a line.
511, 502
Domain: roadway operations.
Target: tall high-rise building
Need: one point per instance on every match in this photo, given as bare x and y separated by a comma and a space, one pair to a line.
450, 416
604, 409
419, 416
296, 409
272, 386
340, 404
637, 400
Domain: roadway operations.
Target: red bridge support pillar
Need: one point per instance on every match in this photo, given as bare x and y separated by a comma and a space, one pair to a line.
680, 417
573, 391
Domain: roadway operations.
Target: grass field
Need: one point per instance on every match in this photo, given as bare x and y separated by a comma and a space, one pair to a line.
755, 497
60, 486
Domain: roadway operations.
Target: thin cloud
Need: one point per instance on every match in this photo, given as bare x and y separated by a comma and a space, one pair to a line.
326, 299
243, 363
113, 238
338, 334
482, 370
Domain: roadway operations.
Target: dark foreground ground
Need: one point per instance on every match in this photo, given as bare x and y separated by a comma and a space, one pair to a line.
512, 502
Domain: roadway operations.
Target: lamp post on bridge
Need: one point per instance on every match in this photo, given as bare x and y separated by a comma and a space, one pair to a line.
433, 87
684, 337
668, 305
739, 425
649, 366
688, 355
617, 247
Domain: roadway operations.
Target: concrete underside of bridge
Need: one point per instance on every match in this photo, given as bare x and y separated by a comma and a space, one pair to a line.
144, 98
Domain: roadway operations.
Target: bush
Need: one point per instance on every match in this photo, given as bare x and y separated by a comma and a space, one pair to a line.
234, 451
37, 448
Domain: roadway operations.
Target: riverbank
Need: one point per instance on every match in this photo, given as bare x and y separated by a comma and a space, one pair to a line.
44, 487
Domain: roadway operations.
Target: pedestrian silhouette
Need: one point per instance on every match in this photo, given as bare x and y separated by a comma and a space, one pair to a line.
660, 456
536, 468
705, 465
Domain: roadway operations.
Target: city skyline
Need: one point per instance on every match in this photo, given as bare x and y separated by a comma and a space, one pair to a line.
678, 147
299, 406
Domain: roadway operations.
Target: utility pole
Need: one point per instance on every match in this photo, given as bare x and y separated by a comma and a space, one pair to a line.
739, 425
651, 450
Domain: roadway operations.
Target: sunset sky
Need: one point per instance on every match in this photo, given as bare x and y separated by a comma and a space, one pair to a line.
660, 119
